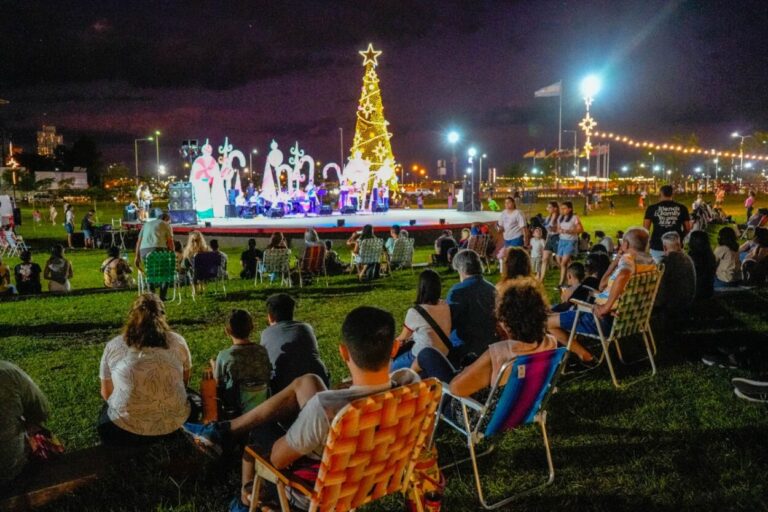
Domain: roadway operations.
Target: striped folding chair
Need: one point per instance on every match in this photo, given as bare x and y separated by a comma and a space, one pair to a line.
371, 450
402, 255
5, 247
479, 244
276, 262
632, 316
519, 402
312, 263
369, 253
159, 269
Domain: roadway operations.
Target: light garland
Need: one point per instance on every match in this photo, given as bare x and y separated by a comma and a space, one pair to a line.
671, 147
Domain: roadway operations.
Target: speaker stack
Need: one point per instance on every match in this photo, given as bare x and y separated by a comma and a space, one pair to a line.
181, 203
183, 216
326, 209
348, 210
275, 213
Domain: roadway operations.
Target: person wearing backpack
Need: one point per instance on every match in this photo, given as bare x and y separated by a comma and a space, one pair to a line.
58, 270
426, 323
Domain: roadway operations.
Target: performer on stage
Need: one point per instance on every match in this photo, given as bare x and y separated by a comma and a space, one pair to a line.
374, 196
385, 196
311, 193
344, 191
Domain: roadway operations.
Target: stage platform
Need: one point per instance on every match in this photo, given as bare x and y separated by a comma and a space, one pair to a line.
417, 222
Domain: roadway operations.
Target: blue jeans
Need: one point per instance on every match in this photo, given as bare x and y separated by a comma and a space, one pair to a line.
434, 364
719, 285
515, 242
586, 323
404, 360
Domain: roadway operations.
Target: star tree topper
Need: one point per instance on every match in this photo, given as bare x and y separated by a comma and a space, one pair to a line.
370, 55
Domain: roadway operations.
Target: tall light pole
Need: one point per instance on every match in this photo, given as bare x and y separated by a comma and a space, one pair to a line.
472, 189
453, 138
157, 150
341, 147
480, 172
590, 86
472, 153
736, 135
250, 162
136, 154
575, 151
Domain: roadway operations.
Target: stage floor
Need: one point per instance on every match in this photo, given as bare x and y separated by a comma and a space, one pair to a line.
423, 220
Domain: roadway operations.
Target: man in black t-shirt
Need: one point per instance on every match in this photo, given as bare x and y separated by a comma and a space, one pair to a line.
665, 216
248, 260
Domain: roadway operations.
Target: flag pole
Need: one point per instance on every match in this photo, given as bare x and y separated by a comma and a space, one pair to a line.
560, 130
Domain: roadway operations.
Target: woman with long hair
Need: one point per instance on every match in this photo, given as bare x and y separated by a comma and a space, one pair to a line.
195, 245
417, 325
569, 228
58, 271
704, 263
553, 237
516, 263
277, 241
144, 373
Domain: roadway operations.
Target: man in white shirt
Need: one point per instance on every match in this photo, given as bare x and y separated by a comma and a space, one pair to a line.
514, 225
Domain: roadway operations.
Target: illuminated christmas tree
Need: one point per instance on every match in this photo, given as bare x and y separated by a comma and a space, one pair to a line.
371, 130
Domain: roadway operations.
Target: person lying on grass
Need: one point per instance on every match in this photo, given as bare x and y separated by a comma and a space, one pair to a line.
367, 346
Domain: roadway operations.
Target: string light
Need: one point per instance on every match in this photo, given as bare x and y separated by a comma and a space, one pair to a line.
676, 148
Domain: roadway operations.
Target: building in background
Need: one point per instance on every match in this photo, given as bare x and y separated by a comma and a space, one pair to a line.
47, 140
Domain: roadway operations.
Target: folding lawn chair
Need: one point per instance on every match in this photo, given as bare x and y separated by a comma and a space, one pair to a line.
632, 316
276, 261
371, 450
206, 268
5, 247
519, 402
402, 255
117, 234
479, 244
15, 243
369, 253
159, 269
312, 263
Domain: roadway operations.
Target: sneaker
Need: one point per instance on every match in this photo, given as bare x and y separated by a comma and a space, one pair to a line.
750, 390
721, 361
208, 438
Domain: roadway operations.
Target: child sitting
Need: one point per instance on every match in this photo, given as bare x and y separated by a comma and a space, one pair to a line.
537, 250
595, 266
585, 242
575, 288
242, 371
333, 264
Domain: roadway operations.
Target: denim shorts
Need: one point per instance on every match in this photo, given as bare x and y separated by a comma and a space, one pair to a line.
586, 323
552, 242
70, 228
567, 247
515, 242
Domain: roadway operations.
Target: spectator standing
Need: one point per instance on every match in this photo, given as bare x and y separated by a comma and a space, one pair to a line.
249, 260
664, 217
553, 237
52, 214
749, 203
58, 270
514, 225
86, 226
116, 270
429, 311
69, 224
704, 262
22, 404
537, 250
719, 197
155, 235
28, 275
569, 227
291, 345
144, 372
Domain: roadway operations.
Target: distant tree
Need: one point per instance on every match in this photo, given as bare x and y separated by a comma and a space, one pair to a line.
86, 154
44, 184
515, 170
34, 162
117, 171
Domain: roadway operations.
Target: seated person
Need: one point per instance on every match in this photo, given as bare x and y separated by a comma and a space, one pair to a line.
522, 311
333, 263
58, 270
214, 245
584, 242
755, 265
515, 263
144, 375
704, 262
116, 270
443, 245
632, 258
249, 259
574, 289
677, 289
367, 346
291, 345
419, 320
28, 275
726, 259
462, 244
394, 234
595, 265
22, 405
6, 287
605, 240
242, 371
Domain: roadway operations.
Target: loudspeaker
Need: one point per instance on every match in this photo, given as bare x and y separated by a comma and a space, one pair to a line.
340, 223
180, 196
348, 210
378, 208
412, 222
183, 216
17, 216
155, 213
326, 209
129, 216
275, 213
207, 224
442, 221
230, 211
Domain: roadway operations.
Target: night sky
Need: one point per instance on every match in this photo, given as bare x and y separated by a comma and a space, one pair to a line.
289, 70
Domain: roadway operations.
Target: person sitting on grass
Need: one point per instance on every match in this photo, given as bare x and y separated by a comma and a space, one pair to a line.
575, 289
333, 263
515, 263
443, 245
242, 371
429, 309
755, 265
632, 258
249, 260
6, 287
23, 405
58, 271
144, 372
116, 270
291, 345
704, 262
521, 311
677, 289
214, 245
28, 275
585, 242
726, 257
367, 346
605, 240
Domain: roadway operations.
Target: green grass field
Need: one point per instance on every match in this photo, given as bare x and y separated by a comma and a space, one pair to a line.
678, 441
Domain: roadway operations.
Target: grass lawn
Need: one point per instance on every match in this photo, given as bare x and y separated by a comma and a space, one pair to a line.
678, 441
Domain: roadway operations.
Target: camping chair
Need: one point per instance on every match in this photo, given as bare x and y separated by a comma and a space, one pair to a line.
312, 263
479, 244
369, 253
4, 245
206, 268
276, 261
15, 243
632, 316
371, 450
519, 402
402, 255
159, 269
117, 233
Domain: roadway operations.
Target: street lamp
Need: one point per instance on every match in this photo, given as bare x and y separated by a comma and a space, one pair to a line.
624, 168
453, 138
161, 170
136, 154
250, 160
736, 135
471, 189
480, 172
590, 86
157, 149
